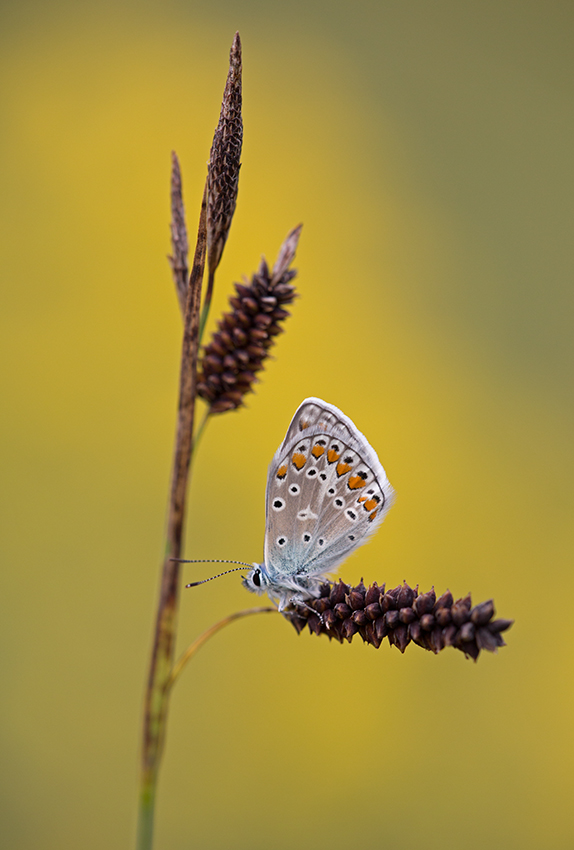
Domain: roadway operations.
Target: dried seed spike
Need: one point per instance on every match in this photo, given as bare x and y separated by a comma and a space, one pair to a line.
244, 336
349, 611
179, 243
224, 161
286, 254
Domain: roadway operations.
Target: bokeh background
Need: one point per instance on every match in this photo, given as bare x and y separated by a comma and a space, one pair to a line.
427, 147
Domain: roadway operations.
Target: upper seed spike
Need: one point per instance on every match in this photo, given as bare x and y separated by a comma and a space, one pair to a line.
224, 161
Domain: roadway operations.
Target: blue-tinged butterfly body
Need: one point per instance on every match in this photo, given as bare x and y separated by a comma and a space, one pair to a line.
326, 494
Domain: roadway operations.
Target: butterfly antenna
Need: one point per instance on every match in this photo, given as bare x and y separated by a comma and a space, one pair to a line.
195, 583
212, 561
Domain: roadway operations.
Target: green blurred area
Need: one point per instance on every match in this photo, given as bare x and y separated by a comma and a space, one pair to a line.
427, 147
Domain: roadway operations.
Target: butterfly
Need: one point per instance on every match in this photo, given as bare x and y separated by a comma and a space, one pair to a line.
327, 493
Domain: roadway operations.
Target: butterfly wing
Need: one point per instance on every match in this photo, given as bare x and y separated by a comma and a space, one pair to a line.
327, 492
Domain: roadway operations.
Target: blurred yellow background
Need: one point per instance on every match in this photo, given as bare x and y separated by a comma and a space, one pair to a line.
427, 147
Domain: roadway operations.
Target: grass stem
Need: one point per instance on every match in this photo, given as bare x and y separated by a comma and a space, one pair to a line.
204, 637
157, 693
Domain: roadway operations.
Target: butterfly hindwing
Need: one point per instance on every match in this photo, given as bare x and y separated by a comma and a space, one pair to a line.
326, 494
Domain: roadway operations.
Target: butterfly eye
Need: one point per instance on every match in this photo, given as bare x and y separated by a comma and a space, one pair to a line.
295, 489
281, 541
311, 473
278, 504
339, 503
351, 536
306, 538
351, 514
256, 578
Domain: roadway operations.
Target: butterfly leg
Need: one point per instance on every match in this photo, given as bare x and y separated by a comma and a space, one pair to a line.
297, 600
312, 610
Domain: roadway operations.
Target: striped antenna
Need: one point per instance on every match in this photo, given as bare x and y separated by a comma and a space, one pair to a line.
212, 561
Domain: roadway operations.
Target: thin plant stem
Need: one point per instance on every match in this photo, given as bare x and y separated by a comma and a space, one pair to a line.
203, 638
200, 430
206, 303
157, 694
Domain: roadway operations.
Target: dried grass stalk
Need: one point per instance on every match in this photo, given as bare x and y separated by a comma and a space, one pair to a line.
224, 162
157, 693
179, 244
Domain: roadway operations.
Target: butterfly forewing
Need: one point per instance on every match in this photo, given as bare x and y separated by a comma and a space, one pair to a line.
326, 493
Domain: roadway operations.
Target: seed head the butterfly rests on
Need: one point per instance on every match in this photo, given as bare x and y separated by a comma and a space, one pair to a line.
326, 494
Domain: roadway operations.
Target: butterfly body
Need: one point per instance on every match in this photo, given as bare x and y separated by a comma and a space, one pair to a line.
327, 492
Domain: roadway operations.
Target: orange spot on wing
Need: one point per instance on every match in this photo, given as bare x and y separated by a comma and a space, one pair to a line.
282, 471
372, 516
372, 503
342, 469
355, 482
298, 460
304, 425
317, 451
362, 499
332, 456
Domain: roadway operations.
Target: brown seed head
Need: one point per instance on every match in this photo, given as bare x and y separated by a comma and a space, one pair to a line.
179, 244
224, 161
240, 346
403, 616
